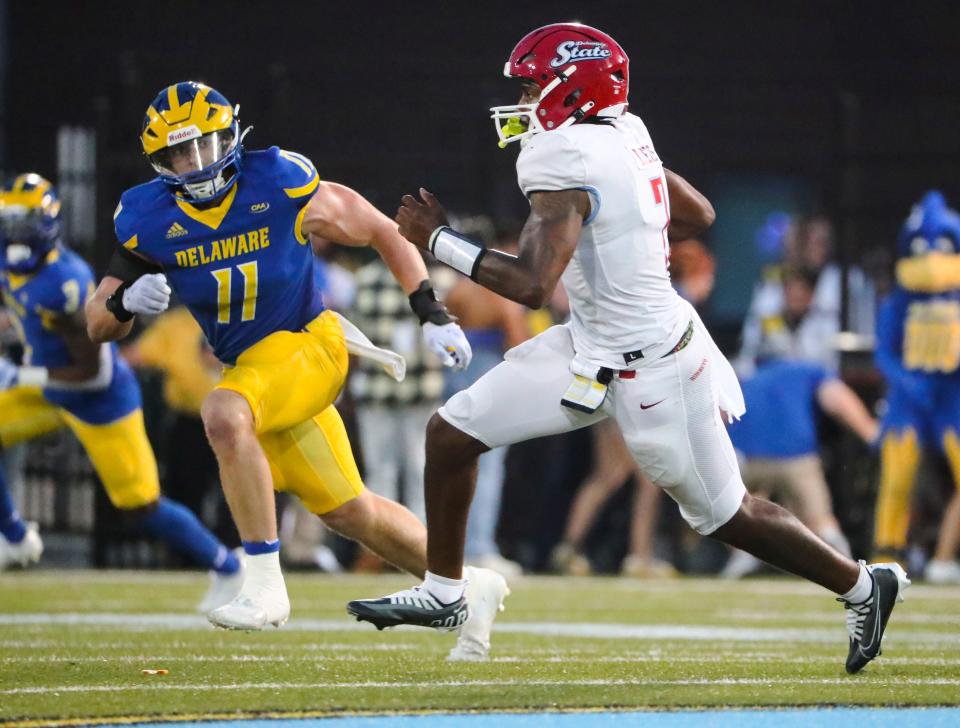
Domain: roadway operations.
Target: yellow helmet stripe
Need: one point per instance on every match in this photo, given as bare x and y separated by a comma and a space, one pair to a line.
38, 182
197, 112
178, 112
39, 196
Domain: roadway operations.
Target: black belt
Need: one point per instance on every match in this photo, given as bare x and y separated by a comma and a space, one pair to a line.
684, 340
605, 374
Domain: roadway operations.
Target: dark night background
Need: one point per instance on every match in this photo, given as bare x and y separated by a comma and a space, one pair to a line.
852, 108
847, 109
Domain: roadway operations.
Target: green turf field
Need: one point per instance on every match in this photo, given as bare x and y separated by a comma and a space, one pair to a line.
73, 644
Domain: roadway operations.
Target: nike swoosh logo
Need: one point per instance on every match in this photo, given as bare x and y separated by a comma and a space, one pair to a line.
648, 406
876, 624
873, 637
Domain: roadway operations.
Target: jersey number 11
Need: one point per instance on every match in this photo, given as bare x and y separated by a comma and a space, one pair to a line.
224, 278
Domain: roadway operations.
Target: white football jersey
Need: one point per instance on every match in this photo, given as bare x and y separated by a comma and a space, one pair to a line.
621, 300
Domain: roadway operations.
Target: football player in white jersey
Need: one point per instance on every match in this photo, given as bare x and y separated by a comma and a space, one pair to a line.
602, 208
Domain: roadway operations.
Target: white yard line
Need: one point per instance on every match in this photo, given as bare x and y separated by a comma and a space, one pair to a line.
814, 617
294, 658
719, 659
526, 683
299, 658
178, 644
713, 633
764, 587
710, 585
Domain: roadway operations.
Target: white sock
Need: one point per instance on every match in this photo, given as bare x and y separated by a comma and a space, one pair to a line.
263, 572
862, 589
444, 589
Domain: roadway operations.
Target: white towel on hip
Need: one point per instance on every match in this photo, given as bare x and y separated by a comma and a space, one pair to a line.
359, 345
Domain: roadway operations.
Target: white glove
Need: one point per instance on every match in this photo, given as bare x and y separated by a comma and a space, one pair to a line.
8, 374
449, 343
149, 294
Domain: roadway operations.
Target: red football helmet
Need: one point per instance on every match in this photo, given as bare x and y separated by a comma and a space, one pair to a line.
581, 72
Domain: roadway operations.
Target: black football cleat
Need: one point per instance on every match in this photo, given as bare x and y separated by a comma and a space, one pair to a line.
867, 620
414, 606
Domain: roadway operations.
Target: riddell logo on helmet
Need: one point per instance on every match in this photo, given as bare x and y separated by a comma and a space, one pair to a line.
580, 50
182, 135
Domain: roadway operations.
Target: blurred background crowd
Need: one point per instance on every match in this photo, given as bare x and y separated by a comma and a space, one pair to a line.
812, 142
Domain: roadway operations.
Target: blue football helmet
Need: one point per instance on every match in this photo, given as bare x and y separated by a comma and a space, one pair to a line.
191, 137
29, 222
932, 227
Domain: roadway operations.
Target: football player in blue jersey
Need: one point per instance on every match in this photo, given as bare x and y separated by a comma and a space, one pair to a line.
229, 230
918, 351
68, 380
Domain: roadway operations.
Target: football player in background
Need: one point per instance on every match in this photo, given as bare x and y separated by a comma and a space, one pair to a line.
229, 230
68, 380
918, 351
174, 345
602, 209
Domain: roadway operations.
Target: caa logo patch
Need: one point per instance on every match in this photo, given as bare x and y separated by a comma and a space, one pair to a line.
580, 50
259, 207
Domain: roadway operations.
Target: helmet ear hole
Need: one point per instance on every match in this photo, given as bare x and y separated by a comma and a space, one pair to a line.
572, 99
617, 75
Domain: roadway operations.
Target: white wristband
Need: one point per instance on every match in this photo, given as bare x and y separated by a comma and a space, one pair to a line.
32, 376
456, 250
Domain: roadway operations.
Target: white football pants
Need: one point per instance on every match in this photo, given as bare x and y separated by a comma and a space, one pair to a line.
669, 414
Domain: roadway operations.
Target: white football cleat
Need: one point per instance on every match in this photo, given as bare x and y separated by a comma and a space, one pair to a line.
223, 587
24, 552
252, 612
485, 593
262, 599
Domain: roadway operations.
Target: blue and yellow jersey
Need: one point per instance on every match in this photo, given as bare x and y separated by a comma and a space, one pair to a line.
919, 333
243, 268
35, 302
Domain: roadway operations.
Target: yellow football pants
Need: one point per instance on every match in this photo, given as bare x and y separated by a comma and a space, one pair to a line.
119, 450
290, 380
